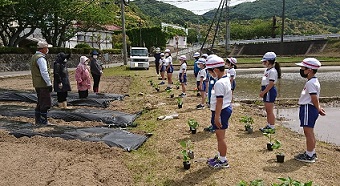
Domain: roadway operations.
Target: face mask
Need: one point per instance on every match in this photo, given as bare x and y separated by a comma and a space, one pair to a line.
65, 60
302, 73
95, 56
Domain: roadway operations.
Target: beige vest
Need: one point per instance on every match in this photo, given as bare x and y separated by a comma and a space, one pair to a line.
38, 81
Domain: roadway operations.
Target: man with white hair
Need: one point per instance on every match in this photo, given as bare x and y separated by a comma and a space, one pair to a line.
157, 57
41, 82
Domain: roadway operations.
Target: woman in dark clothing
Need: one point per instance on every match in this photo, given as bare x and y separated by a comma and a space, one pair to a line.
61, 81
96, 70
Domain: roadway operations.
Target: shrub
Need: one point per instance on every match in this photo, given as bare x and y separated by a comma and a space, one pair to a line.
13, 50
82, 45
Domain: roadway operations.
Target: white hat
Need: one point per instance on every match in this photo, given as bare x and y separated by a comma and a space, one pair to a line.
83, 59
311, 63
196, 54
214, 62
210, 56
201, 60
183, 57
43, 44
162, 54
232, 60
204, 55
167, 50
269, 56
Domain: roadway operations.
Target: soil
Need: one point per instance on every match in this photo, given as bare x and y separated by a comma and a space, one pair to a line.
55, 161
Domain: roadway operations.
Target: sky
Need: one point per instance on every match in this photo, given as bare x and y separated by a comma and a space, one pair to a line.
201, 6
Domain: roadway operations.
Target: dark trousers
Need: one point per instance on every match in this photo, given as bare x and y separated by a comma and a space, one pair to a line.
96, 79
61, 96
157, 67
44, 100
83, 93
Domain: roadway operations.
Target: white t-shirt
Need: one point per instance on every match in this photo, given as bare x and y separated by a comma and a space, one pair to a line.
231, 73
183, 68
222, 88
201, 73
168, 61
312, 86
269, 74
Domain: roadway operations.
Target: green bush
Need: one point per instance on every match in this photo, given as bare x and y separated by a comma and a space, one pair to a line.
112, 51
82, 45
13, 50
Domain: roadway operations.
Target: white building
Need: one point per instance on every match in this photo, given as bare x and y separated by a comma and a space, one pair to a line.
177, 41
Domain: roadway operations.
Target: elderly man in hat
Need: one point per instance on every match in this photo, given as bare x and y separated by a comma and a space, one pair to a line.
41, 82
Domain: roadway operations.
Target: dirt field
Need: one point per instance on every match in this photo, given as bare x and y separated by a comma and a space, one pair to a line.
54, 161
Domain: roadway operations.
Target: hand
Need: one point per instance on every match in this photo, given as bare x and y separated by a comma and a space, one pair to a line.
50, 88
262, 94
322, 112
218, 123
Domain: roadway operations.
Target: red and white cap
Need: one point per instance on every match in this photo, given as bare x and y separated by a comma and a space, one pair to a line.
196, 54
214, 62
311, 63
201, 60
183, 57
232, 60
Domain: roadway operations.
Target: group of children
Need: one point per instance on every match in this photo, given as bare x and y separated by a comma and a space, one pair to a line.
219, 83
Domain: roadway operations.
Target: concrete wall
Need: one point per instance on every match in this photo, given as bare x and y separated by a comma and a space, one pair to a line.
20, 62
289, 48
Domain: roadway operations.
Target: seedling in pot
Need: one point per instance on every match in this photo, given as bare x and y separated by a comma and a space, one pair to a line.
248, 121
156, 86
177, 84
187, 153
179, 102
268, 134
280, 157
151, 82
169, 91
193, 124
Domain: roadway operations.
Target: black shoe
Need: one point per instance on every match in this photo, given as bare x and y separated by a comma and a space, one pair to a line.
305, 158
267, 129
200, 107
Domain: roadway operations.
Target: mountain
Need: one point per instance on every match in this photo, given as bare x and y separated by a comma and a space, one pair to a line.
318, 11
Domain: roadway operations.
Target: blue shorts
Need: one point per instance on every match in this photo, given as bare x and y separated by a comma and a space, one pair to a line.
308, 115
233, 85
162, 68
170, 69
184, 80
270, 96
203, 86
225, 115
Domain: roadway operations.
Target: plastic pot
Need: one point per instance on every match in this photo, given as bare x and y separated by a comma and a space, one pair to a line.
157, 89
280, 158
172, 95
180, 105
186, 165
250, 130
193, 131
270, 146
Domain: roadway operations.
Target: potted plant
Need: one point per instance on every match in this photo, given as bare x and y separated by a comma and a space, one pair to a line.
169, 91
187, 153
151, 82
155, 85
268, 133
248, 121
280, 157
179, 102
290, 181
193, 124
177, 84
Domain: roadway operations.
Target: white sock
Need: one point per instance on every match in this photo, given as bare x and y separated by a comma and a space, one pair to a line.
309, 153
271, 126
223, 159
314, 151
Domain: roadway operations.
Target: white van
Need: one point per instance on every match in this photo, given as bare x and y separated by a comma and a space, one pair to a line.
139, 58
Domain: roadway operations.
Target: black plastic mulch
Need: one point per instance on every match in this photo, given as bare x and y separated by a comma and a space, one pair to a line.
112, 137
108, 117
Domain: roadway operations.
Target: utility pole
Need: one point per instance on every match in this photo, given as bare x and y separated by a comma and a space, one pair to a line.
227, 36
122, 9
283, 26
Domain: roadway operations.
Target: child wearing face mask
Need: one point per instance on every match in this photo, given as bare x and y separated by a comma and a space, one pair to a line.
309, 107
231, 63
61, 81
200, 79
183, 74
82, 76
96, 70
268, 89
